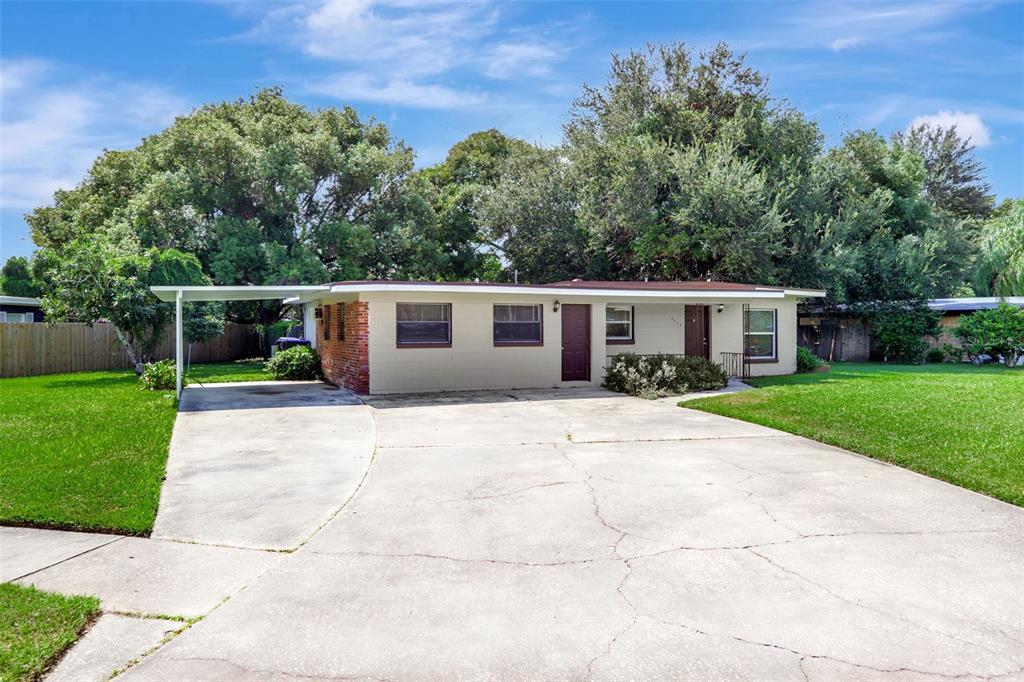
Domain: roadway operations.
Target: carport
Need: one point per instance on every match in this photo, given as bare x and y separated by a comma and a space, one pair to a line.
180, 295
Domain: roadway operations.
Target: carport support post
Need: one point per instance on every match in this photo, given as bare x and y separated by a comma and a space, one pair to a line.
178, 343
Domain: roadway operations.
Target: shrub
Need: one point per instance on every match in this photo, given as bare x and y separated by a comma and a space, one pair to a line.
656, 376
935, 355
297, 362
806, 361
159, 376
998, 332
900, 329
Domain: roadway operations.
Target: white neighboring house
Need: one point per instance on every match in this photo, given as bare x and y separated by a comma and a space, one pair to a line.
20, 309
396, 337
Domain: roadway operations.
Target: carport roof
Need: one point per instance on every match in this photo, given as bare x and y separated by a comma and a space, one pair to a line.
302, 294
235, 293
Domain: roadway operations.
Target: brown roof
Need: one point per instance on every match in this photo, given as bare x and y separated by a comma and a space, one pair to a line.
690, 285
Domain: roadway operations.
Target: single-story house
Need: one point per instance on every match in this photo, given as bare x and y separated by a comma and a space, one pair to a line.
397, 337
20, 309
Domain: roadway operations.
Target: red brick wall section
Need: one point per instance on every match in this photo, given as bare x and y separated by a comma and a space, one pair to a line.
347, 363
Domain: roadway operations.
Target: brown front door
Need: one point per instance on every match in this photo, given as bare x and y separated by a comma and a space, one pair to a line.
575, 342
697, 332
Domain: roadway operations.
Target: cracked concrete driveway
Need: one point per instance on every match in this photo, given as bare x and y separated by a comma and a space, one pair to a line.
579, 534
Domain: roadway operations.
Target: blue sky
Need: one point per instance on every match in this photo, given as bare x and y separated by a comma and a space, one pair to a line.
79, 77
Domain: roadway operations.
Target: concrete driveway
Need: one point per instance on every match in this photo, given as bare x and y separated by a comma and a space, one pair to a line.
579, 534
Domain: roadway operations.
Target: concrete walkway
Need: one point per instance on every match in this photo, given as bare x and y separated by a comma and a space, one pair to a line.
583, 535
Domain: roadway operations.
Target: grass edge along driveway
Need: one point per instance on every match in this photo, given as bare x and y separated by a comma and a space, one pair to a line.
36, 627
86, 451
958, 423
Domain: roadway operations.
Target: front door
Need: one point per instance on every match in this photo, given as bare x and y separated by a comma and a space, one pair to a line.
575, 342
697, 331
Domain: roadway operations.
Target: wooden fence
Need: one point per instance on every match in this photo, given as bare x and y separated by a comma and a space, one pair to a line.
28, 349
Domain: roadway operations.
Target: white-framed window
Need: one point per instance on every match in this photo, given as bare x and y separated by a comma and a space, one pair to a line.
760, 339
421, 325
618, 324
517, 324
17, 317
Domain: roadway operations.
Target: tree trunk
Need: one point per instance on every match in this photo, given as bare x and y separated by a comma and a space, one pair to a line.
132, 355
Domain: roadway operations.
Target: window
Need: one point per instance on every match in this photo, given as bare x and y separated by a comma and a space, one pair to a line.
518, 325
760, 341
618, 324
341, 321
326, 321
17, 317
424, 324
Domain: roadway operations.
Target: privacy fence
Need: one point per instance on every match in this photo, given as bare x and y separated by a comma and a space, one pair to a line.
28, 349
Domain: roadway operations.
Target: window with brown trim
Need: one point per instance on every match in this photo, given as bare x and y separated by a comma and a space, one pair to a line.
518, 324
761, 341
341, 321
618, 324
423, 325
326, 322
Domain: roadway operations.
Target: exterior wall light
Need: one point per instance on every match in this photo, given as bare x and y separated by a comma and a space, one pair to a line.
721, 307
556, 306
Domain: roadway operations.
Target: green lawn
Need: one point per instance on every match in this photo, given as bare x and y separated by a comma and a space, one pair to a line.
219, 372
959, 423
35, 627
86, 451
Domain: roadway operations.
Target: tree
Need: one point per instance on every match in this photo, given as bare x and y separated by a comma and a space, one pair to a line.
998, 332
954, 178
261, 191
455, 189
688, 168
16, 279
1000, 265
104, 278
881, 239
529, 217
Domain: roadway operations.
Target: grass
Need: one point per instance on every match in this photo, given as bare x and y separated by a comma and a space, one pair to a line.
36, 627
220, 372
86, 451
958, 423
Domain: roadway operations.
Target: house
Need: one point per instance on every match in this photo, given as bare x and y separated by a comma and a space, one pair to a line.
394, 337
952, 309
381, 336
20, 309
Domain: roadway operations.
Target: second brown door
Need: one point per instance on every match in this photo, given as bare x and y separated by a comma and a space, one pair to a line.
697, 331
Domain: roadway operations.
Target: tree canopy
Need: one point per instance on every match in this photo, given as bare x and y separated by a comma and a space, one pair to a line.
16, 278
680, 165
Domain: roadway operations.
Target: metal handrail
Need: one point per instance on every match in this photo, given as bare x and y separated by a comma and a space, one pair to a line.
736, 365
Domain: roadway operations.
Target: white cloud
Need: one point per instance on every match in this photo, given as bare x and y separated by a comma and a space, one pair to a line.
968, 126
840, 44
408, 53
400, 92
55, 122
515, 59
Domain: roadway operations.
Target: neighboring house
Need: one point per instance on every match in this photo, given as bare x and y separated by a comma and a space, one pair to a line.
953, 308
394, 337
839, 336
20, 309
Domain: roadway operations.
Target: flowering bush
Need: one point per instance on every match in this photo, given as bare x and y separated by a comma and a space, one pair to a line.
657, 376
159, 376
